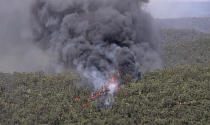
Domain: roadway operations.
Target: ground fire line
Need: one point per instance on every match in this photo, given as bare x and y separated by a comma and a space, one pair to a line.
110, 88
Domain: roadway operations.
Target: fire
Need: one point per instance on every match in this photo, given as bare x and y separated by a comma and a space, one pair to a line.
113, 85
77, 99
85, 105
96, 95
110, 88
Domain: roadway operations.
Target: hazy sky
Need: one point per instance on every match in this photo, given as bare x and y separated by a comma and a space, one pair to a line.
177, 0
179, 8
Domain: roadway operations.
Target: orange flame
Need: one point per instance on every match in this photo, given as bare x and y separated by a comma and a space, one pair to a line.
113, 81
85, 105
77, 99
102, 92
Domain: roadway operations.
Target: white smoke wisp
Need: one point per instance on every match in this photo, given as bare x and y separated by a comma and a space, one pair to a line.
97, 37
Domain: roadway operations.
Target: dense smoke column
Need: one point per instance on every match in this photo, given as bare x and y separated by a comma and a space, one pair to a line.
97, 37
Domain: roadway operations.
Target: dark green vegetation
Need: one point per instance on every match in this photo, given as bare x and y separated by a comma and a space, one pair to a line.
196, 51
177, 95
171, 96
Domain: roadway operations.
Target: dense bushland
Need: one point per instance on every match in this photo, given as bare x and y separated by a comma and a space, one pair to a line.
178, 95
172, 36
196, 51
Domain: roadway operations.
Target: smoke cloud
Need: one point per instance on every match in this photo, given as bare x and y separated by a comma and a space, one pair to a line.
17, 53
96, 37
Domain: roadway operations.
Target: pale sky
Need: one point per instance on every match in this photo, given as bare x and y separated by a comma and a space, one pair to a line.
178, 0
175, 8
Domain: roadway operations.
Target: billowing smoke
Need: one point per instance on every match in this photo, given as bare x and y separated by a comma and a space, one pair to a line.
97, 37
17, 52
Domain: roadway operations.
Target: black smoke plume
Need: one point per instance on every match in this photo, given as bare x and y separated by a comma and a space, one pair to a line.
97, 37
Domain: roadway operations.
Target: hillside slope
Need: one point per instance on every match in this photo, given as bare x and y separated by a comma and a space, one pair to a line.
195, 51
171, 36
201, 24
178, 95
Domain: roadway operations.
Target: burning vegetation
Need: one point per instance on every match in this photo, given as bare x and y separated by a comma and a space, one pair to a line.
108, 90
109, 43
97, 38
161, 97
